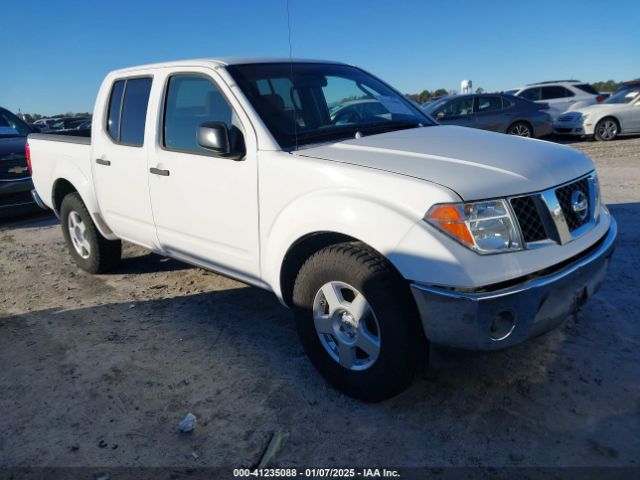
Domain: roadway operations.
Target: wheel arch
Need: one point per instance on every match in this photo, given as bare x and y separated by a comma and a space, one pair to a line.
526, 122
299, 252
63, 187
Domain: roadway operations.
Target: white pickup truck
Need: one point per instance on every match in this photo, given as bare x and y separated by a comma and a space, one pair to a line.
381, 229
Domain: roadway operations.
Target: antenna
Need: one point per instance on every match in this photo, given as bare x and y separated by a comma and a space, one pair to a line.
295, 110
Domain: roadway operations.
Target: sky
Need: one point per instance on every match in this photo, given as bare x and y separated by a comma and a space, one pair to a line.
54, 55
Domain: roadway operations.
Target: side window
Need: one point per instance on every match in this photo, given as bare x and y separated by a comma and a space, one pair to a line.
532, 94
134, 111
190, 101
550, 93
113, 120
489, 104
128, 110
455, 108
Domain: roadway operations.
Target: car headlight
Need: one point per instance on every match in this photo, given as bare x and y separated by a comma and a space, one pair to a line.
485, 227
585, 116
598, 197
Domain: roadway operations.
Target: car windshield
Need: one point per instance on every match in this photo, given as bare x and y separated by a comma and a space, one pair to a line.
511, 92
624, 96
303, 103
12, 126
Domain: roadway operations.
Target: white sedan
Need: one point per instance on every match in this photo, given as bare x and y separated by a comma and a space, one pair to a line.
618, 114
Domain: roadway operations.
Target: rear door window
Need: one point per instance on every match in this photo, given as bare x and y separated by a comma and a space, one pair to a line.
128, 111
489, 104
551, 93
532, 94
585, 87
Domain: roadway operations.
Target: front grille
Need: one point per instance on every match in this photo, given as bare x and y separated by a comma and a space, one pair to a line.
565, 198
14, 168
563, 130
529, 219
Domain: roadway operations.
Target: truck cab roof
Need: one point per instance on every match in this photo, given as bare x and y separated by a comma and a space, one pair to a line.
222, 62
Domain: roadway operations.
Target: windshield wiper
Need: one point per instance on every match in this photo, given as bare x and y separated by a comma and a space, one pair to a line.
388, 127
318, 136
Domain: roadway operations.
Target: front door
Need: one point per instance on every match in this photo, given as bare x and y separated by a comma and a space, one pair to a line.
205, 206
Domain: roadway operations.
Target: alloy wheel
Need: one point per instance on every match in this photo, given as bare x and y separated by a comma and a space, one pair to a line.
346, 325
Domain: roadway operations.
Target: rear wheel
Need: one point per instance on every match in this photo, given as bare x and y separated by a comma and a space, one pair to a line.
520, 129
606, 129
89, 249
358, 322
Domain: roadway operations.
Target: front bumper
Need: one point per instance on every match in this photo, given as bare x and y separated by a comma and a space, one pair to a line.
501, 318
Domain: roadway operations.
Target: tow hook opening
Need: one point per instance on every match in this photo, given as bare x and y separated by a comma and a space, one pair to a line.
502, 325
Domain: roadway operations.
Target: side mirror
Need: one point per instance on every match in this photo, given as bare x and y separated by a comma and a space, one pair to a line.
214, 136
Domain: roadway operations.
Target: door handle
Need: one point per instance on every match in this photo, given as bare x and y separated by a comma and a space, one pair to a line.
101, 161
157, 171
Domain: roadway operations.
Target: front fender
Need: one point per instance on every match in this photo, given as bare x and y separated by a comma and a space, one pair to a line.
381, 225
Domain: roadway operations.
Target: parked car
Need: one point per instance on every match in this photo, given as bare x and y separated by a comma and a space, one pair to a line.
15, 179
560, 95
382, 234
45, 124
86, 125
618, 114
68, 123
630, 84
495, 112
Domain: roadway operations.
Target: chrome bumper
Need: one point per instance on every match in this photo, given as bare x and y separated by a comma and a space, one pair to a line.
38, 200
502, 318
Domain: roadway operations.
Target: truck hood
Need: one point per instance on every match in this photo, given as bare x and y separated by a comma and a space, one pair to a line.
474, 163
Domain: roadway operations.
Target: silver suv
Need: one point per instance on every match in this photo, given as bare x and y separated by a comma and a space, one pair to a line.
561, 95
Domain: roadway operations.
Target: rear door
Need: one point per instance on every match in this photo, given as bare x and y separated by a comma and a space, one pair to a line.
119, 161
558, 97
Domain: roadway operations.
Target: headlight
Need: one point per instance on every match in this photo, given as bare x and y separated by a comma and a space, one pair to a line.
597, 196
485, 227
585, 116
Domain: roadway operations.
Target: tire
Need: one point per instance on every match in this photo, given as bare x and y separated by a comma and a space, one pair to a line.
520, 129
88, 248
353, 271
606, 129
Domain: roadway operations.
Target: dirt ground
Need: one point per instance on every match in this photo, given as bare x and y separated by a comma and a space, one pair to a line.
99, 370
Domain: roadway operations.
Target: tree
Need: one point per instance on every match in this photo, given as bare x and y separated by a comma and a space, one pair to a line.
479, 90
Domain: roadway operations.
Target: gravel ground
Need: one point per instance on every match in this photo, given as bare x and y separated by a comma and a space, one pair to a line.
99, 370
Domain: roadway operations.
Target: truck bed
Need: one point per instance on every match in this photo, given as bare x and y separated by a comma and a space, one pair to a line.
64, 155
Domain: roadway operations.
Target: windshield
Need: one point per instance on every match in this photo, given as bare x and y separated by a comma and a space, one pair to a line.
324, 102
624, 96
12, 126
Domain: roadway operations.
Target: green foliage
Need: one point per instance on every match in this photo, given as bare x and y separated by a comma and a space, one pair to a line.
608, 86
426, 95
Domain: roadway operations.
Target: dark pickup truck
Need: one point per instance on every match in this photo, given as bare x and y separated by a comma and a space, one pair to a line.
15, 178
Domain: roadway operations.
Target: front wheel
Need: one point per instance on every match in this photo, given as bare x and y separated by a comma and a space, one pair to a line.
358, 322
606, 130
520, 129
89, 249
